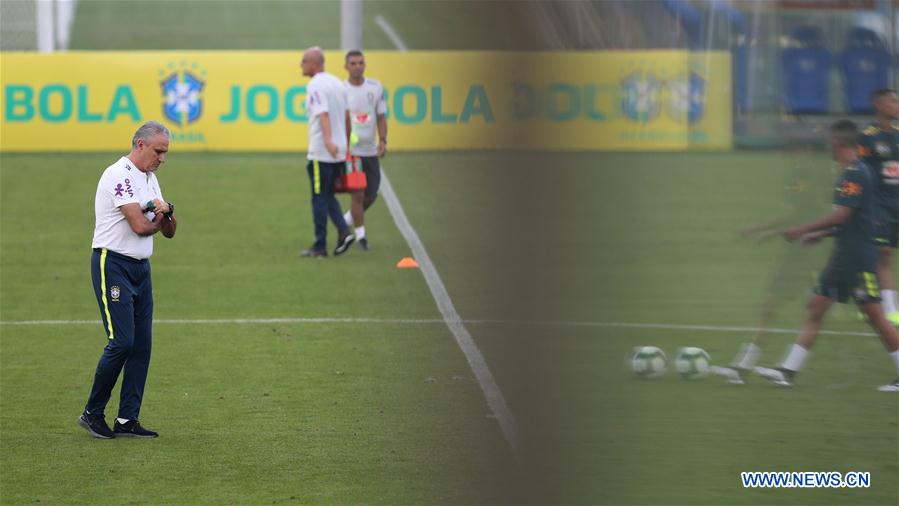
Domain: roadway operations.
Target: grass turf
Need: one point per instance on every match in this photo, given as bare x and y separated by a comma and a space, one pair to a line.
390, 412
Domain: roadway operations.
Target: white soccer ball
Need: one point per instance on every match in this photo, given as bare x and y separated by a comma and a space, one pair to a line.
648, 362
692, 363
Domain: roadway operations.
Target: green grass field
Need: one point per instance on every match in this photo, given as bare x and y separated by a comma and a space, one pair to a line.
562, 263
296, 24
388, 411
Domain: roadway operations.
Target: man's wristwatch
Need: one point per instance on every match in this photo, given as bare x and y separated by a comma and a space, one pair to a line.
384, 140
171, 210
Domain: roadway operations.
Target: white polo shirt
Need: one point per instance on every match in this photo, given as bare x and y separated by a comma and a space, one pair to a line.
326, 93
366, 102
123, 183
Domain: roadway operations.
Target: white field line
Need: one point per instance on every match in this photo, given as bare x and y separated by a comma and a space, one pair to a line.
425, 321
394, 37
492, 393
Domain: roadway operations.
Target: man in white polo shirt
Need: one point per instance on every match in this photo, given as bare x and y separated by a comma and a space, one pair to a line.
368, 113
326, 106
129, 209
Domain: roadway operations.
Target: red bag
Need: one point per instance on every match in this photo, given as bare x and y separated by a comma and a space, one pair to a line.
352, 179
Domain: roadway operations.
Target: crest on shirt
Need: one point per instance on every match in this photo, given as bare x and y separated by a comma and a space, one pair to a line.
114, 293
850, 189
881, 148
361, 117
182, 90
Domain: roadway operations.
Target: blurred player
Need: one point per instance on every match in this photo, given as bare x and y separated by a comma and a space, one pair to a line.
850, 269
802, 202
368, 112
329, 123
880, 151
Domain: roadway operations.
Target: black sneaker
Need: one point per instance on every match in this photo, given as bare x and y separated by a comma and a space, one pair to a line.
344, 243
132, 428
314, 253
96, 426
363, 244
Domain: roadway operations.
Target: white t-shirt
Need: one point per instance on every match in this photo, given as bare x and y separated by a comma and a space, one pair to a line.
123, 183
326, 93
366, 102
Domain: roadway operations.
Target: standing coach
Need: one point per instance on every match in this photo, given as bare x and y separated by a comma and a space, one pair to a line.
129, 210
329, 130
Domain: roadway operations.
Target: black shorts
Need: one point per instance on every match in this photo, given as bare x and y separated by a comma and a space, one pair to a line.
839, 282
887, 233
371, 166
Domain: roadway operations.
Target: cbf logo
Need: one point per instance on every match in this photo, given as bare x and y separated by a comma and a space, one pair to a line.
642, 97
181, 91
686, 98
115, 292
643, 100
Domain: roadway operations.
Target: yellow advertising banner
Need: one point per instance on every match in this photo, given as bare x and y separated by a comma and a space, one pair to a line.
255, 100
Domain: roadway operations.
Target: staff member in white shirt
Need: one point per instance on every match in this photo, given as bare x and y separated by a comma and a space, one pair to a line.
329, 127
368, 112
129, 209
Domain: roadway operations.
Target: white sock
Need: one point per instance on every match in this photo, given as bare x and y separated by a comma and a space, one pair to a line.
795, 358
889, 301
895, 356
122, 421
747, 356
348, 218
360, 232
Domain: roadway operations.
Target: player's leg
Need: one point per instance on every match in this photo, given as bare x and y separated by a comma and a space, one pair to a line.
797, 354
356, 215
138, 364
885, 278
888, 334
318, 181
787, 279
870, 304
750, 352
371, 165
345, 236
334, 212
114, 293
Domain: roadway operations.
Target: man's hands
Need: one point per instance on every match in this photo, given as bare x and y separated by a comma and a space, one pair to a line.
813, 237
331, 147
805, 238
159, 206
791, 234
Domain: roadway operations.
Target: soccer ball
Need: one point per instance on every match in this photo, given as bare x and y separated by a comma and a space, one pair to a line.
648, 362
692, 363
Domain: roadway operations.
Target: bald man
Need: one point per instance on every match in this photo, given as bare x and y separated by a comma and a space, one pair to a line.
329, 127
